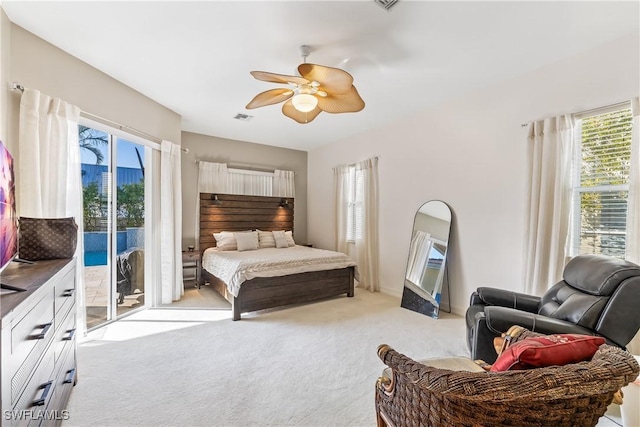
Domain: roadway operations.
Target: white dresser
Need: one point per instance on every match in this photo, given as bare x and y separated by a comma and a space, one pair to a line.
38, 346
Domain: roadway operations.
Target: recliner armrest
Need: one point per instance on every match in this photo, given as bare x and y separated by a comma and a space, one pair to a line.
500, 319
504, 298
475, 299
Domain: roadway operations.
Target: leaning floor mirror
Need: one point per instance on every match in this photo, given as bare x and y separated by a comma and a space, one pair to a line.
426, 265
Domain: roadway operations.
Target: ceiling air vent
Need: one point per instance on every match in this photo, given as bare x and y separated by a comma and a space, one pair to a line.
243, 117
386, 4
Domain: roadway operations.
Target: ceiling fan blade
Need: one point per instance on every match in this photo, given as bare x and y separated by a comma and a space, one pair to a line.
331, 79
290, 111
348, 102
269, 97
278, 78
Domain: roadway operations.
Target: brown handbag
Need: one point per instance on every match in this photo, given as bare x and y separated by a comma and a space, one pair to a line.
47, 238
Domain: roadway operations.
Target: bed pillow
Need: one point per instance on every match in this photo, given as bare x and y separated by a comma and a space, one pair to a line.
289, 236
247, 241
281, 240
266, 239
547, 350
225, 241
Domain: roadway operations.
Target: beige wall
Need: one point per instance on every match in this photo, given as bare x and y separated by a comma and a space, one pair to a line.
5, 49
38, 64
472, 154
245, 155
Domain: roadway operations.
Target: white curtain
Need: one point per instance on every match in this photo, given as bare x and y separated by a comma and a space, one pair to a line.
171, 220
633, 204
250, 183
283, 183
49, 180
212, 178
418, 256
550, 146
365, 245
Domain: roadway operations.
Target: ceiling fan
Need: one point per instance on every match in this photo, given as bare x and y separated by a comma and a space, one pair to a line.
317, 89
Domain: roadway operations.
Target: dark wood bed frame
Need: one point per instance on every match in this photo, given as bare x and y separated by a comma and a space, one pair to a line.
241, 213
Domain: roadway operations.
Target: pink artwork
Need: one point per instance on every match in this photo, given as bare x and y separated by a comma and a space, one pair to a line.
8, 223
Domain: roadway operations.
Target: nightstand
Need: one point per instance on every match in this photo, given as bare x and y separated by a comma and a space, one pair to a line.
191, 261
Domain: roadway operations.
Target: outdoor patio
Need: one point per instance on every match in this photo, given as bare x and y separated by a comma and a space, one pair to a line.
96, 285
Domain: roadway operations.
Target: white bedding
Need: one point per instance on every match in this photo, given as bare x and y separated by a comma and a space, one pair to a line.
233, 267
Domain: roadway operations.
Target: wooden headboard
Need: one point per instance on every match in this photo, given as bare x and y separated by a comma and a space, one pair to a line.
240, 213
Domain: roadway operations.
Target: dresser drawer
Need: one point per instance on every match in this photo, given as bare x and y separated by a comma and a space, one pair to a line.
65, 290
65, 334
30, 336
66, 379
37, 394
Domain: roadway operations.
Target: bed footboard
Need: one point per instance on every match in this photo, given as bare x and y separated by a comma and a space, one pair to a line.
269, 292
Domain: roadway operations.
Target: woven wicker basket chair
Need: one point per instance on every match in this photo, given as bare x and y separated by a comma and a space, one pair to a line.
570, 395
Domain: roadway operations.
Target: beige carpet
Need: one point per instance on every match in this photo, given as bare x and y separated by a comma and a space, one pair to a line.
309, 365
203, 297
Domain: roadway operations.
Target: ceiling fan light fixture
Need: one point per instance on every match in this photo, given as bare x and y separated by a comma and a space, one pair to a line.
304, 102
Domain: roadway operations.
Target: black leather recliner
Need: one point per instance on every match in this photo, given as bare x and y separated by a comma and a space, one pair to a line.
599, 295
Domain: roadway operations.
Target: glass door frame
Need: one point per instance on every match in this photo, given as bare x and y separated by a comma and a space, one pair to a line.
151, 200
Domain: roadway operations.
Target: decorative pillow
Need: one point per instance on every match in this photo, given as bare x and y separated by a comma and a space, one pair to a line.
548, 350
266, 239
289, 236
247, 241
281, 240
225, 241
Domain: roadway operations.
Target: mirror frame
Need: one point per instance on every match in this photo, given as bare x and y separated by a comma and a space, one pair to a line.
414, 296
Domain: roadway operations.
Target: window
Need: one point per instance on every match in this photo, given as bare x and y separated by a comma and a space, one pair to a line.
601, 164
250, 183
356, 205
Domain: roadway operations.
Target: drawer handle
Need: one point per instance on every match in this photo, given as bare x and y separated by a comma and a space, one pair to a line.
43, 334
72, 333
70, 377
68, 292
45, 394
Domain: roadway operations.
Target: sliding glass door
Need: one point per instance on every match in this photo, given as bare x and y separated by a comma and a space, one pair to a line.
117, 199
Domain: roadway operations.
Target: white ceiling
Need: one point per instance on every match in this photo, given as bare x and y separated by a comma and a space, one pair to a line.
195, 57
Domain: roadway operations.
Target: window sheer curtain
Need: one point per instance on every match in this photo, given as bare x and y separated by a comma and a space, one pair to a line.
633, 203
365, 250
550, 146
250, 183
171, 222
49, 178
212, 178
218, 178
284, 183
418, 256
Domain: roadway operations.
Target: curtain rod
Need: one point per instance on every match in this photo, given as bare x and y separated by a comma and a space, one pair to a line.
129, 129
242, 166
593, 110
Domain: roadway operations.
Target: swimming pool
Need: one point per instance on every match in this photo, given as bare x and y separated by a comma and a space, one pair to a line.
95, 258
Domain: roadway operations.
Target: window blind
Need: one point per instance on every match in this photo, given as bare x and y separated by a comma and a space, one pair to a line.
601, 167
355, 217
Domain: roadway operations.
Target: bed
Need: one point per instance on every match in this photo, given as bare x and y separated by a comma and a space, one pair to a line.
258, 290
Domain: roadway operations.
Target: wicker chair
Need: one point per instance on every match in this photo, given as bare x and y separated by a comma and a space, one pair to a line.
571, 395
